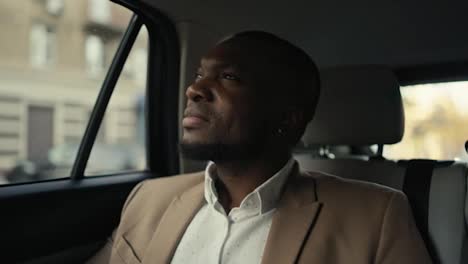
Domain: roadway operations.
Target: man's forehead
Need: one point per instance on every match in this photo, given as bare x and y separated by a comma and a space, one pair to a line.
227, 48
237, 57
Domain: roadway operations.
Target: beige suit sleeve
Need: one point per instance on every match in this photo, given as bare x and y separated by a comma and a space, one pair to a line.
400, 241
103, 256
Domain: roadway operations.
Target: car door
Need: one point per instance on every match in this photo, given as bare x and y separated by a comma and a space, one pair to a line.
52, 213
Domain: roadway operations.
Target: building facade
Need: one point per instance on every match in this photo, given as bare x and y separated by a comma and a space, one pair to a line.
54, 55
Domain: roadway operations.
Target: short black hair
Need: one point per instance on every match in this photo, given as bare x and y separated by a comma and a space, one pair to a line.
302, 72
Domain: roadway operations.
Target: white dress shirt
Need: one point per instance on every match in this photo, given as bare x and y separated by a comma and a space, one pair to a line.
215, 237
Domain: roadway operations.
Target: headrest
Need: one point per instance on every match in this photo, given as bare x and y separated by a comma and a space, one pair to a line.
357, 106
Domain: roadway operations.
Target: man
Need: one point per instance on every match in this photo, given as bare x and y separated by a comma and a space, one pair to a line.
248, 106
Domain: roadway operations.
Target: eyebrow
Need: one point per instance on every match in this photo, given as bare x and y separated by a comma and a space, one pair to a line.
216, 65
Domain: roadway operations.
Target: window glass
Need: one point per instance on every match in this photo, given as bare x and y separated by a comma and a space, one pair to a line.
119, 145
53, 59
436, 122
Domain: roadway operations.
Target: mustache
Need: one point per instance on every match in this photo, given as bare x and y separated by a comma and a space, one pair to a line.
199, 110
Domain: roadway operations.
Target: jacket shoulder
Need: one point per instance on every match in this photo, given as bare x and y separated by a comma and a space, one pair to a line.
353, 202
156, 194
379, 216
330, 187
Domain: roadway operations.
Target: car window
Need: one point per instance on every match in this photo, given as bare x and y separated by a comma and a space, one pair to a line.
53, 59
121, 136
436, 122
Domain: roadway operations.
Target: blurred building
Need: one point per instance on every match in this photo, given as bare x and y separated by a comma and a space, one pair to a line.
53, 58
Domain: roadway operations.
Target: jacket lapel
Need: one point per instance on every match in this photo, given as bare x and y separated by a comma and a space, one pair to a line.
293, 221
173, 224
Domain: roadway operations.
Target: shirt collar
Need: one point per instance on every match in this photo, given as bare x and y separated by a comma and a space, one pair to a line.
263, 199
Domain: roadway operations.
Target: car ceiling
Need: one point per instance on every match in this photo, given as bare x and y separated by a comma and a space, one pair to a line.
391, 32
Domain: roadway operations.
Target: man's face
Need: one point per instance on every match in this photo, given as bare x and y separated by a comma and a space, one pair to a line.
225, 114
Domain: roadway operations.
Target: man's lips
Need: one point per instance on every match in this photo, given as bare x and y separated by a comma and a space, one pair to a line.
193, 121
193, 118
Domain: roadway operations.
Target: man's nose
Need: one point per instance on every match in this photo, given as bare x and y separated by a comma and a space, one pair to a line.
200, 90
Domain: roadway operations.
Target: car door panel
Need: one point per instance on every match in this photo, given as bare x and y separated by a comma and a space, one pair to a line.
42, 218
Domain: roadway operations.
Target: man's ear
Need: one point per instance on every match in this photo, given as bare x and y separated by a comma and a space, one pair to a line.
295, 125
294, 120
287, 124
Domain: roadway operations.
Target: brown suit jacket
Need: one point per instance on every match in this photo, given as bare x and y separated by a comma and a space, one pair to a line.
320, 219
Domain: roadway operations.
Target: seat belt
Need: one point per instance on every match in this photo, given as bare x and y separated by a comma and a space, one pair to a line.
417, 186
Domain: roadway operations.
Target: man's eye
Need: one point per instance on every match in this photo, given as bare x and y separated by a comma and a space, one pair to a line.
230, 76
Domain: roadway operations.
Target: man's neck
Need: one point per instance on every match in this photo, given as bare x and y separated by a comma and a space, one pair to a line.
238, 179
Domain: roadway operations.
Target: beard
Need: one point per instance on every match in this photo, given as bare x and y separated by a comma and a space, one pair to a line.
218, 150
223, 148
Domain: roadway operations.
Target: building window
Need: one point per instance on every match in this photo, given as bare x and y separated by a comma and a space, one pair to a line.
94, 55
54, 7
99, 11
43, 45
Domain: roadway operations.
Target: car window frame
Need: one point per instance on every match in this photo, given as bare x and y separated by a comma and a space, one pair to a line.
161, 110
